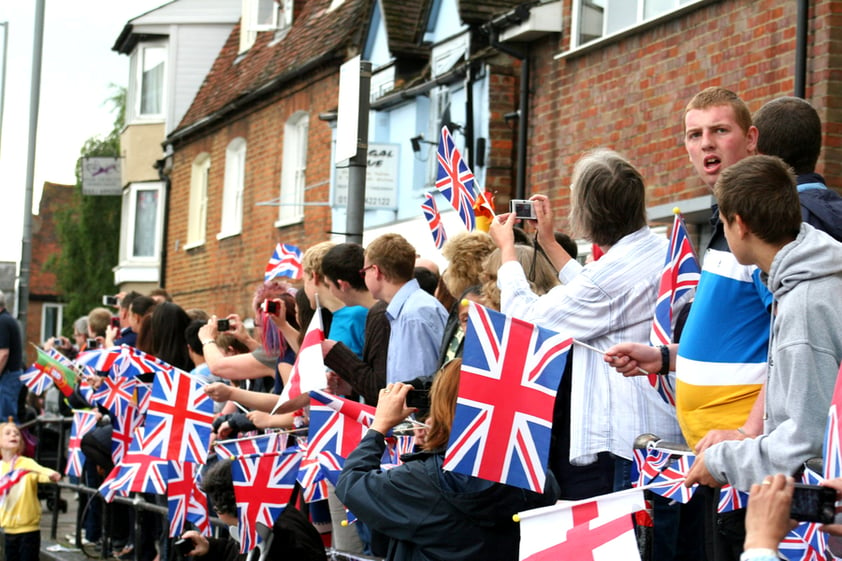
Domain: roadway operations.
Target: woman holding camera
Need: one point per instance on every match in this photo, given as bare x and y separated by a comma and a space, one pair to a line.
426, 512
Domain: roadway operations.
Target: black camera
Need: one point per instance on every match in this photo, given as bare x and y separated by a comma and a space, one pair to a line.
92, 344
813, 503
418, 398
110, 301
523, 209
271, 307
223, 325
184, 546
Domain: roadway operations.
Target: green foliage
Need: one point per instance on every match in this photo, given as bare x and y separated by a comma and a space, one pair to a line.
89, 231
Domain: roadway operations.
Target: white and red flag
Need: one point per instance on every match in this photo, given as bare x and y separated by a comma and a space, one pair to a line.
308, 373
596, 529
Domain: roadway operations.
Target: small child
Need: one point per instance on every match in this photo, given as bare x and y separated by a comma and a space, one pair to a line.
20, 510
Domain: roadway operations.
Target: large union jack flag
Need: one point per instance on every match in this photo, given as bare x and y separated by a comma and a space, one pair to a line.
832, 454
136, 472
185, 499
511, 370
178, 422
431, 213
678, 279
83, 422
455, 180
263, 485
285, 262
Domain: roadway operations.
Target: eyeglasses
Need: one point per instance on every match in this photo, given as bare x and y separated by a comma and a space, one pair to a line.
364, 269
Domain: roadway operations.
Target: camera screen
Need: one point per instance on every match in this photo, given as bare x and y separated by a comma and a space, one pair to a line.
813, 503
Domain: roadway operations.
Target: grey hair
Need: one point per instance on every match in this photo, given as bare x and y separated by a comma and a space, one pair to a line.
81, 325
2, 299
608, 197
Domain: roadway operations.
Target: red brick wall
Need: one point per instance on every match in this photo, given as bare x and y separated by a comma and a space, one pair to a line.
629, 95
220, 276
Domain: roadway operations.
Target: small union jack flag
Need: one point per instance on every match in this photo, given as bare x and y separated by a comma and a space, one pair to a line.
731, 498
511, 370
179, 419
9, 480
115, 394
99, 360
269, 443
263, 485
832, 453
308, 373
136, 472
669, 482
336, 426
285, 262
36, 380
397, 446
455, 180
123, 432
185, 499
679, 277
133, 362
83, 422
431, 213
312, 478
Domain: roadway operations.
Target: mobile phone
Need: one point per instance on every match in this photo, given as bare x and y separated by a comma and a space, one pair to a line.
109, 300
223, 325
92, 344
270, 307
115, 322
420, 399
813, 503
523, 209
184, 546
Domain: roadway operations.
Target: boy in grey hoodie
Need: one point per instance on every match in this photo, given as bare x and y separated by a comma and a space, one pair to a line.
802, 266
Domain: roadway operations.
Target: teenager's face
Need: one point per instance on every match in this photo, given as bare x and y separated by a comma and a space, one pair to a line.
714, 141
10, 438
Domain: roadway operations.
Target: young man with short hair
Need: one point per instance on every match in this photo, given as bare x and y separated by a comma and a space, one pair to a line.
802, 267
417, 319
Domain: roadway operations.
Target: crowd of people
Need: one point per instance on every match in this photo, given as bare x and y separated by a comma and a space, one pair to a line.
755, 355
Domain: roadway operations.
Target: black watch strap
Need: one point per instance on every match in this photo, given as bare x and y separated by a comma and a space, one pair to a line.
665, 360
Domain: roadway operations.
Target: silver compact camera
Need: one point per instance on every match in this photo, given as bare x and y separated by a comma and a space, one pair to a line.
525, 210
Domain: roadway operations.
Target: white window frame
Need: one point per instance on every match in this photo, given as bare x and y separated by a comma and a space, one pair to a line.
439, 100
59, 319
641, 18
130, 204
231, 223
198, 209
277, 17
138, 85
294, 169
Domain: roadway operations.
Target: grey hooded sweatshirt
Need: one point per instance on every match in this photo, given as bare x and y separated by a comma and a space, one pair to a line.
805, 350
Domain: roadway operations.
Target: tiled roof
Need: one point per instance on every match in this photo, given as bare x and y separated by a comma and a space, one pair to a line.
481, 11
316, 35
405, 25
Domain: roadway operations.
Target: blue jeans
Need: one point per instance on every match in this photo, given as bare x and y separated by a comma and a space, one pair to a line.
10, 386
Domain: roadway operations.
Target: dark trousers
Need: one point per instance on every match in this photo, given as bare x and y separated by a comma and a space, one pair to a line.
23, 547
724, 533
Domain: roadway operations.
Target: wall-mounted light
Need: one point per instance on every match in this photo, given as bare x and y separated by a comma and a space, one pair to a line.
417, 141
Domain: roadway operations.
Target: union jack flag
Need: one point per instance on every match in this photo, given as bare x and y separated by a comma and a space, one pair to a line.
185, 499
832, 453
115, 394
269, 443
431, 213
397, 446
510, 373
178, 422
136, 472
36, 380
83, 423
263, 485
99, 360
656, 461
9, 480
455, 180
285, 262
312, 478
669, 482
336, 426
308, 372
332, 465
678, 279
133, 362
731, 498
123, 432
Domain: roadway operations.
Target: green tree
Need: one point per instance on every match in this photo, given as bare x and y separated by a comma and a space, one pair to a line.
89, 230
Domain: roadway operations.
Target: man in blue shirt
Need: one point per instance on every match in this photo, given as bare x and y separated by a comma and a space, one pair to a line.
417, 318
11, 362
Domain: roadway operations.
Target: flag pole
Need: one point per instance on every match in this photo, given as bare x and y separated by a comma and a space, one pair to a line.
594, 349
